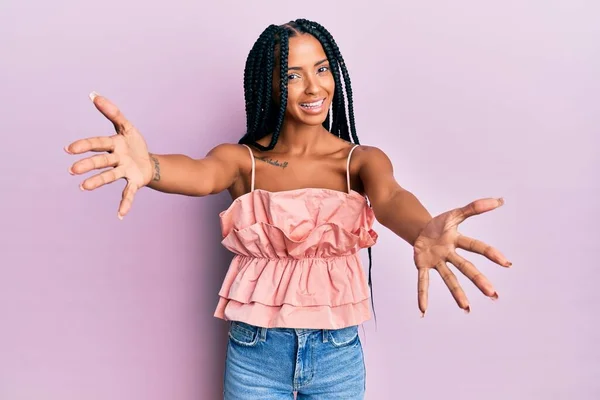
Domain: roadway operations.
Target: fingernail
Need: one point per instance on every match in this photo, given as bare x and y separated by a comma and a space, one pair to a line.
501, 200
494, 297
93, 95
120, 216
467, 310
81, 187
66, 148
71, 171
508, 264
423, 314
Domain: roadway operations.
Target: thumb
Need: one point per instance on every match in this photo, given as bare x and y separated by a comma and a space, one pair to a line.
478, 207
127, 199
111, 112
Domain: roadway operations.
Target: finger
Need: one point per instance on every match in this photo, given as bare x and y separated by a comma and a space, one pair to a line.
469, 270
126, 200
422, 289
102, 179
96, 144
111, 112
452, 283
478, 207
96, 162
479, 247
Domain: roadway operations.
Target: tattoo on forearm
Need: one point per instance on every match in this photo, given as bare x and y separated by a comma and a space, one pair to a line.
156, 176
275, 163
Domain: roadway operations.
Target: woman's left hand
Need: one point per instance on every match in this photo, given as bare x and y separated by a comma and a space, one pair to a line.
437, 244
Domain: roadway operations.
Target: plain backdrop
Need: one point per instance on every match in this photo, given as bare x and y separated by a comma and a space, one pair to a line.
469, 99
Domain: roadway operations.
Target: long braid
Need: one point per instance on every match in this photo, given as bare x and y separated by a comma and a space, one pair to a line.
257, 82
283, 83
263, 82
263, 118
267, 82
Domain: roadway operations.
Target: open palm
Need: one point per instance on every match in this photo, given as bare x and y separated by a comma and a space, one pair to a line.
437, 244
125, 153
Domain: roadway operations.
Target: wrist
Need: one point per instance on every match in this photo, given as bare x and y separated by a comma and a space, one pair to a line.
154, 168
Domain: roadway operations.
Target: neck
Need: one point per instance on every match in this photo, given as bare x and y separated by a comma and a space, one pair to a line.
300, 139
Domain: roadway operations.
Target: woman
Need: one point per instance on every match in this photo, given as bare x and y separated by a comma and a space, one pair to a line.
295, 291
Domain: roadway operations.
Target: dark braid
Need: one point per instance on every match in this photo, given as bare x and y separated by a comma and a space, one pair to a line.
263, 117
283, 84
254, 78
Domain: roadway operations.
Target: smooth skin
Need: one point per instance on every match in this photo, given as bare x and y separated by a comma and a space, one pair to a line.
306, 155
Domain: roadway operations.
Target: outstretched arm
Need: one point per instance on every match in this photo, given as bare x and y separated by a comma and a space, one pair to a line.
180, 174
125, 155
434, 240
395, 207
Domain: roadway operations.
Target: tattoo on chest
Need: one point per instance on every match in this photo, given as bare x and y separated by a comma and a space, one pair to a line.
275, 163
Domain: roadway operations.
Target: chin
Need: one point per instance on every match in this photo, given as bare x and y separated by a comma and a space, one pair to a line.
312, 122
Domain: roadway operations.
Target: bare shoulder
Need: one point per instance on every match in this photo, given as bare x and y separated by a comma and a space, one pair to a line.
371, 157
229, 162
232, 157
228, 151
376, 173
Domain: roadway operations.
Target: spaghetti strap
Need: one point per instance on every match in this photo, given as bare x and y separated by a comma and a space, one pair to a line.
348, 167
253, 168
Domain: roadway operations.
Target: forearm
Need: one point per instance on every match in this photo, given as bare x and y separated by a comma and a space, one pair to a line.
180, 174
403, 214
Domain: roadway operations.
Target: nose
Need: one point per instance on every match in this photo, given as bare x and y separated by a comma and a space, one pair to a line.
312, 85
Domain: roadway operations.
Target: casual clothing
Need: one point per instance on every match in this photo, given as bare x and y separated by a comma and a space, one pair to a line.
296, 262
295, 293
272, 363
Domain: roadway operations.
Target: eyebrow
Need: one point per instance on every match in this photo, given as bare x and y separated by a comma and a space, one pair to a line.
317, 63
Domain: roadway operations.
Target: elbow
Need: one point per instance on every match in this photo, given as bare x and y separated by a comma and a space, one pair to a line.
385, 206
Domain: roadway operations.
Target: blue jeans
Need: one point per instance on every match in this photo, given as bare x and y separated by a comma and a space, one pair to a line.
272, 363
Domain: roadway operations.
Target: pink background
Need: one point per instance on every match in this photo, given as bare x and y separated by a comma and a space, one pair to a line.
470, 99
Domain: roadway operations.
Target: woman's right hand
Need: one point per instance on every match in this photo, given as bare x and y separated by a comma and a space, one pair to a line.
126, 153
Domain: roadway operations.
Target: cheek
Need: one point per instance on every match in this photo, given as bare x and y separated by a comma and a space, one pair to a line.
330, 85
293, 96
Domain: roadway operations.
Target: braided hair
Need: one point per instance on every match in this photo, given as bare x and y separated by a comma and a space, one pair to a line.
264, 115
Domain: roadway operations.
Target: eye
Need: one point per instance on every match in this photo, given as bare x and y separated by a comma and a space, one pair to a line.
292, 76
323, 69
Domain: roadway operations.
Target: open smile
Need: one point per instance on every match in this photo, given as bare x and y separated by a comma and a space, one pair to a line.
313, 108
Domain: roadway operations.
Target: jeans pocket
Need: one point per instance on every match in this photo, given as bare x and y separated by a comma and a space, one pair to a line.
244, 334
343, 337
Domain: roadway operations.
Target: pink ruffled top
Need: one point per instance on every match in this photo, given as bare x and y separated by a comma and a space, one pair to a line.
296, 262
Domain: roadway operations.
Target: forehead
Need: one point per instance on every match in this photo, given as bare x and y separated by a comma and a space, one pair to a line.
305, 50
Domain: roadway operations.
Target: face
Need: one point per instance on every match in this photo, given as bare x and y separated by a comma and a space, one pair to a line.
310, 81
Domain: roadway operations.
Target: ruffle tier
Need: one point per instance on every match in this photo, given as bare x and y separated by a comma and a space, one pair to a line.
297, 212
296, 262
263, 240
288, 316
307, 282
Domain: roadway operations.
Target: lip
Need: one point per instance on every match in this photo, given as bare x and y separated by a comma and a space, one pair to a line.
314, 110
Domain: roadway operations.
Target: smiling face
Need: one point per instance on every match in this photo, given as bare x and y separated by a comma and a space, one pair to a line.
310, 81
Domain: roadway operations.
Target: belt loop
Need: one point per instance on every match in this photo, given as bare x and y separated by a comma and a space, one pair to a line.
325, 336
263, 334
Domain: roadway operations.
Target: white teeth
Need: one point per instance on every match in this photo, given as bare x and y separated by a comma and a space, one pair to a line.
312, 105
